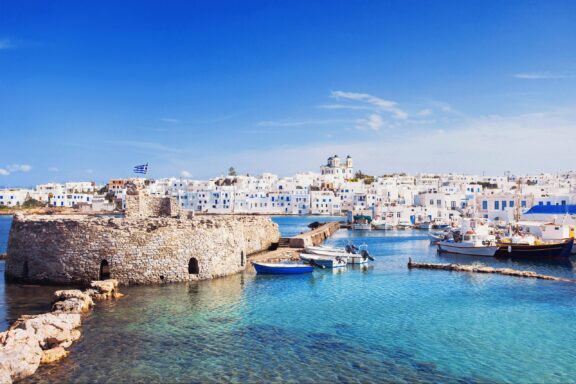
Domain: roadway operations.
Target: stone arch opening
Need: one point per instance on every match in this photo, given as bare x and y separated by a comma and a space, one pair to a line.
242, 259
193, 268
104, 270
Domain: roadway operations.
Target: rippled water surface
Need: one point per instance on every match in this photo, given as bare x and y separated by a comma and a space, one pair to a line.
383, 323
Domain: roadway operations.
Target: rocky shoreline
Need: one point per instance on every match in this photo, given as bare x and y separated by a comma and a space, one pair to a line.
44, 339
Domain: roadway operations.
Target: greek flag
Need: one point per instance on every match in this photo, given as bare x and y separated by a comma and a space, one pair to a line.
141, 169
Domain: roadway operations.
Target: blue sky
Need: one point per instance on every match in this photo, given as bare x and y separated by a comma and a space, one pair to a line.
90, 89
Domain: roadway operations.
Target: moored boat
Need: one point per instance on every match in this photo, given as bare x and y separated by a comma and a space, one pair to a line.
324, 261
471, 244
549, 250
281, 268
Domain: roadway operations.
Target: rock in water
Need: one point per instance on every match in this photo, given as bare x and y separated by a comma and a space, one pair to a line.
20, 354
50, 356
72, 305
74, 294
104, 289
51, 329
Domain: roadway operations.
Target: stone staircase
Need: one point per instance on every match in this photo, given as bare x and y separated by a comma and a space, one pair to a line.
284, 242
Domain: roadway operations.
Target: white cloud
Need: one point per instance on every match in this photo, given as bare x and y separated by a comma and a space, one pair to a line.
425, 112
170, 120
374, 122
145, 146
185, 174
89, 171
493, 144
288, 123
378, 103
4, 172
53, 169
542, 75
346, 106
12, 168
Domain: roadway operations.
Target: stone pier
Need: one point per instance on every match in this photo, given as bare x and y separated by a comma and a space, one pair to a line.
315, 236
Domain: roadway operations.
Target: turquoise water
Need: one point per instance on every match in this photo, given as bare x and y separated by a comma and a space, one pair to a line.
383, 323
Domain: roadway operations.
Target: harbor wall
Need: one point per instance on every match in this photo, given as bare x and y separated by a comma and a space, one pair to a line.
153, 243
314, 237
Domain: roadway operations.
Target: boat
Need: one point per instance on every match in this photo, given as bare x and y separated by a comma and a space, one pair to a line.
324, 261
404, 225
352, 254
541, 250
324, 250
380, 224
362, 223
281, 268
471, 244
361, 226
425, 225
436, 237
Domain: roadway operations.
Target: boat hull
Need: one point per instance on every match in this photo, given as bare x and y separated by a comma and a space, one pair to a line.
325, 261
560, 250
361, 227
461, 249
282, 269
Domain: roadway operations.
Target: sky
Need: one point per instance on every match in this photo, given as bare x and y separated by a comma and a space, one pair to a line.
89, 89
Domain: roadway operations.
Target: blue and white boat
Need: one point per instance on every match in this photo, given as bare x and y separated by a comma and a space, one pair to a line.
281, 268
324, 261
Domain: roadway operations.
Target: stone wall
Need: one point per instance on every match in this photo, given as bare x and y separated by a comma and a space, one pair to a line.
141, 248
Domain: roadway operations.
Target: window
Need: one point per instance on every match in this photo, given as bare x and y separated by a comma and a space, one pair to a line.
523, 203
511, 203
504, 204
496, 205
484, 204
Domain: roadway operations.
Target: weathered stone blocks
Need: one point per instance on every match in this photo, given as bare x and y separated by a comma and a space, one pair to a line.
134, 250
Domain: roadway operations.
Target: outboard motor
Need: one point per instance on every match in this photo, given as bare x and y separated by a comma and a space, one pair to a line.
315, 264
366, 255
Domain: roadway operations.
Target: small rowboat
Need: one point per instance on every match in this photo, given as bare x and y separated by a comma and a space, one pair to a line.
281, 269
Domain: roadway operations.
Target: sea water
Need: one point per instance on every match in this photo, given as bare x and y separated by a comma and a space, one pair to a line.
380, 323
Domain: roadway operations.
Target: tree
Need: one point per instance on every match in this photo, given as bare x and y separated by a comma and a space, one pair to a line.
32, 203
231, 171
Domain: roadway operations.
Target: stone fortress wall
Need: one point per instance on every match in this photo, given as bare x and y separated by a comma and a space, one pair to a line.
155, 242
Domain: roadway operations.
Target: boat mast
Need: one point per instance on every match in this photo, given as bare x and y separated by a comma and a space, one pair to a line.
517, 207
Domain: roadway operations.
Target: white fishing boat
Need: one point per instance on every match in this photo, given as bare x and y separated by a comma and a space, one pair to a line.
361, 226
427, 225
404, 225
436, 237
471, 244
325, 261
324, 250
352, 254
380, 224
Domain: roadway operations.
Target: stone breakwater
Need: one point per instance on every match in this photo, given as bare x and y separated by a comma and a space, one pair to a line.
43, 339
136, 249
483, 269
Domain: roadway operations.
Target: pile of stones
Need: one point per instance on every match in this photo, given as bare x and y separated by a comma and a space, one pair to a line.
44, 339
